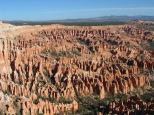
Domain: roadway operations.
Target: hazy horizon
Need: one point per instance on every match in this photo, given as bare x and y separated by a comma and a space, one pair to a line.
78, 18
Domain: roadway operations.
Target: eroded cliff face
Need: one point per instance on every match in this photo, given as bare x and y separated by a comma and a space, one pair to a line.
41, 66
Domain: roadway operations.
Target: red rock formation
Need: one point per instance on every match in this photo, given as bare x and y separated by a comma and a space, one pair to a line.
58, 61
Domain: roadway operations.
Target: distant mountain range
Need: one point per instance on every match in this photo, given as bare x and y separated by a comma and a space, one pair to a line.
103, 19
110, 19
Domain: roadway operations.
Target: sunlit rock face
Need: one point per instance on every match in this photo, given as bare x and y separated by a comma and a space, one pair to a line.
43, 69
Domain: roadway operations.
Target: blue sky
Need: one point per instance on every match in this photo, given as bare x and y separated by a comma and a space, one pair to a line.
70, 9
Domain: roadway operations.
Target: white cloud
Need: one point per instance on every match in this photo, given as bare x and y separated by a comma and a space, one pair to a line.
95, 9
101, 9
